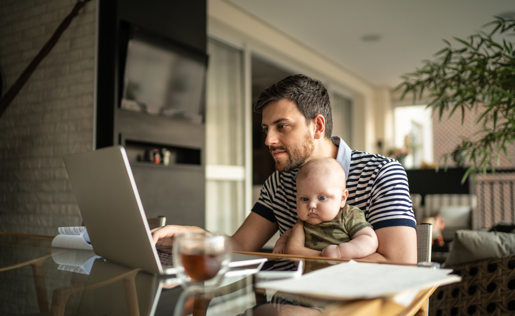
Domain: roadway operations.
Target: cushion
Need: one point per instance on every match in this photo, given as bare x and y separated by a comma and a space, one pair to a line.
455, 216
472, 245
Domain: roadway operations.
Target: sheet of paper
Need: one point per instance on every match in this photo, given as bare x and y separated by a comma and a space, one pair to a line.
71, 241
78, 261
362, 280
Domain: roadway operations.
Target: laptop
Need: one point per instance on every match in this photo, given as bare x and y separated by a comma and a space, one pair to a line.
113, 214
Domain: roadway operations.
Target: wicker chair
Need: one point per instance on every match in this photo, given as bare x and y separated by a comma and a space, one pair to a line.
487, 288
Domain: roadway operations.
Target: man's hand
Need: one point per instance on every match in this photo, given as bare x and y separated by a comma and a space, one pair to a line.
163, 236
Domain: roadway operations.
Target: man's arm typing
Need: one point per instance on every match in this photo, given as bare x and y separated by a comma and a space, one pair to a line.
251, 236
253, 233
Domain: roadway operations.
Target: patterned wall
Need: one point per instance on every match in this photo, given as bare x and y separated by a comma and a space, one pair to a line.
448, 132
495, 192
51, 117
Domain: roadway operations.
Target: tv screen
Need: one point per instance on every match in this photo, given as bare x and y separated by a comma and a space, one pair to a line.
163, 80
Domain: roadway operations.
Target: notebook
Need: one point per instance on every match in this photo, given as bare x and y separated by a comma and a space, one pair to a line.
113, 214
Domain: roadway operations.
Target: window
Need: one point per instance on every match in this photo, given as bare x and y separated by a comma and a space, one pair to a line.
342, 117
413, 136
264, 74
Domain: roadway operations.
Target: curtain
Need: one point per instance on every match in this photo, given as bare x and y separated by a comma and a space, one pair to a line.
224, 139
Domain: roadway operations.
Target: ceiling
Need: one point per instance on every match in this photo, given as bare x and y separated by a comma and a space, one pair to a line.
409, 31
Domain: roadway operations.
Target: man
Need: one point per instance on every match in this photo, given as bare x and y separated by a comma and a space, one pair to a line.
298, 124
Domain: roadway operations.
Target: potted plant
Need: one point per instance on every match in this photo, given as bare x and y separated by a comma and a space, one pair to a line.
478, 74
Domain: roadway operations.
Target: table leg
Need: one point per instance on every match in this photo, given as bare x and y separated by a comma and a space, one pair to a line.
39, 281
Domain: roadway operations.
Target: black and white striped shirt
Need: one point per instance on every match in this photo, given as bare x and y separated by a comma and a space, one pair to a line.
377, 185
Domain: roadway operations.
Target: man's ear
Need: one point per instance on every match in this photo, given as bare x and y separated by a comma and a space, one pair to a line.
344, 197
319, 124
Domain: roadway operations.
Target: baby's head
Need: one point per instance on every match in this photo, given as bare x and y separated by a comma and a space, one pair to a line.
321, 190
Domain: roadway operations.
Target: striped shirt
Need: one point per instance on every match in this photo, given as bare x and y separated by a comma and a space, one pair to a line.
377, 185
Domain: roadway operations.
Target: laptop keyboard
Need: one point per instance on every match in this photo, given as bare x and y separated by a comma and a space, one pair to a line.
166, 258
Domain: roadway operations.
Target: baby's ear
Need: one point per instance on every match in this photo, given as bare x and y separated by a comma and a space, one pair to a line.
344, 197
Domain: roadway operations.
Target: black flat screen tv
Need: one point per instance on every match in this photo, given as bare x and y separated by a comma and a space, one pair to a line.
163, 78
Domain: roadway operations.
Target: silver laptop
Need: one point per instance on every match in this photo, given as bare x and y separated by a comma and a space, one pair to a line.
112, 211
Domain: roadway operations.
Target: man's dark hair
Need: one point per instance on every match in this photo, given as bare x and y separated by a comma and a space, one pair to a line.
309, 94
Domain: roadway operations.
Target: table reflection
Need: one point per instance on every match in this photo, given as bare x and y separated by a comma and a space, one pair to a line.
36, 279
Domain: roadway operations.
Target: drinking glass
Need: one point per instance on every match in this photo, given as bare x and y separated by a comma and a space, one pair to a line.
201, 258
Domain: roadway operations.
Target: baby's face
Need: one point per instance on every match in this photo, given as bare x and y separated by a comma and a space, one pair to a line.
319, 198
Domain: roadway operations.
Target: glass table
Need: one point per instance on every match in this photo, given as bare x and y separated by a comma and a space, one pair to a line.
36, 279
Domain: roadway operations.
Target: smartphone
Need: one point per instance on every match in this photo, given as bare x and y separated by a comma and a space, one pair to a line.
243, 264
280, 269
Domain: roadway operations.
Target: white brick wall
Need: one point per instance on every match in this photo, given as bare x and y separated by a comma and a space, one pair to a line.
51, 117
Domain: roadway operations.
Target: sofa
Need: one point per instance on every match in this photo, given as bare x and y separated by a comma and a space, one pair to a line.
486, 263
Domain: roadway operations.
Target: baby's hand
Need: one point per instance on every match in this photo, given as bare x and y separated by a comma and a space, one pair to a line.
280, 245
279, 248
331, 251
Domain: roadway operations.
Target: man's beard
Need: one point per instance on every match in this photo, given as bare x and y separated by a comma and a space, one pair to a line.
297, 156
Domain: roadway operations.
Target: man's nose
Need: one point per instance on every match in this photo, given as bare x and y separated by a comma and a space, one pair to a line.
271, 139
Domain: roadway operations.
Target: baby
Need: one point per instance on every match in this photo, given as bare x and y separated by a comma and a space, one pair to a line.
329, 225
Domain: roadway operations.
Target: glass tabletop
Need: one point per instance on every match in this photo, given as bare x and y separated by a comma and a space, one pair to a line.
36, 279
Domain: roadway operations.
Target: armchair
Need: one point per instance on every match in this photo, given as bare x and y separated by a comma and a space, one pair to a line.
486, 263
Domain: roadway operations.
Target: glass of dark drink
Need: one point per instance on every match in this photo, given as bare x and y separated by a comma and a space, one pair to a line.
201, 258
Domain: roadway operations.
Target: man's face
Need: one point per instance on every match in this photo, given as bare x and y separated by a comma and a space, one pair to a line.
288, 137
319, 198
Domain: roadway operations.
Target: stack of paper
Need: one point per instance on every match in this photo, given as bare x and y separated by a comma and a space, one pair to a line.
362, 281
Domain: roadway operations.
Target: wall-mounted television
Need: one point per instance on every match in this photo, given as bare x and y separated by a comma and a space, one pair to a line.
163, 78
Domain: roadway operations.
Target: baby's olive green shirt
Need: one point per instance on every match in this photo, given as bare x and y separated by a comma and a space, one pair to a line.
341, 229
